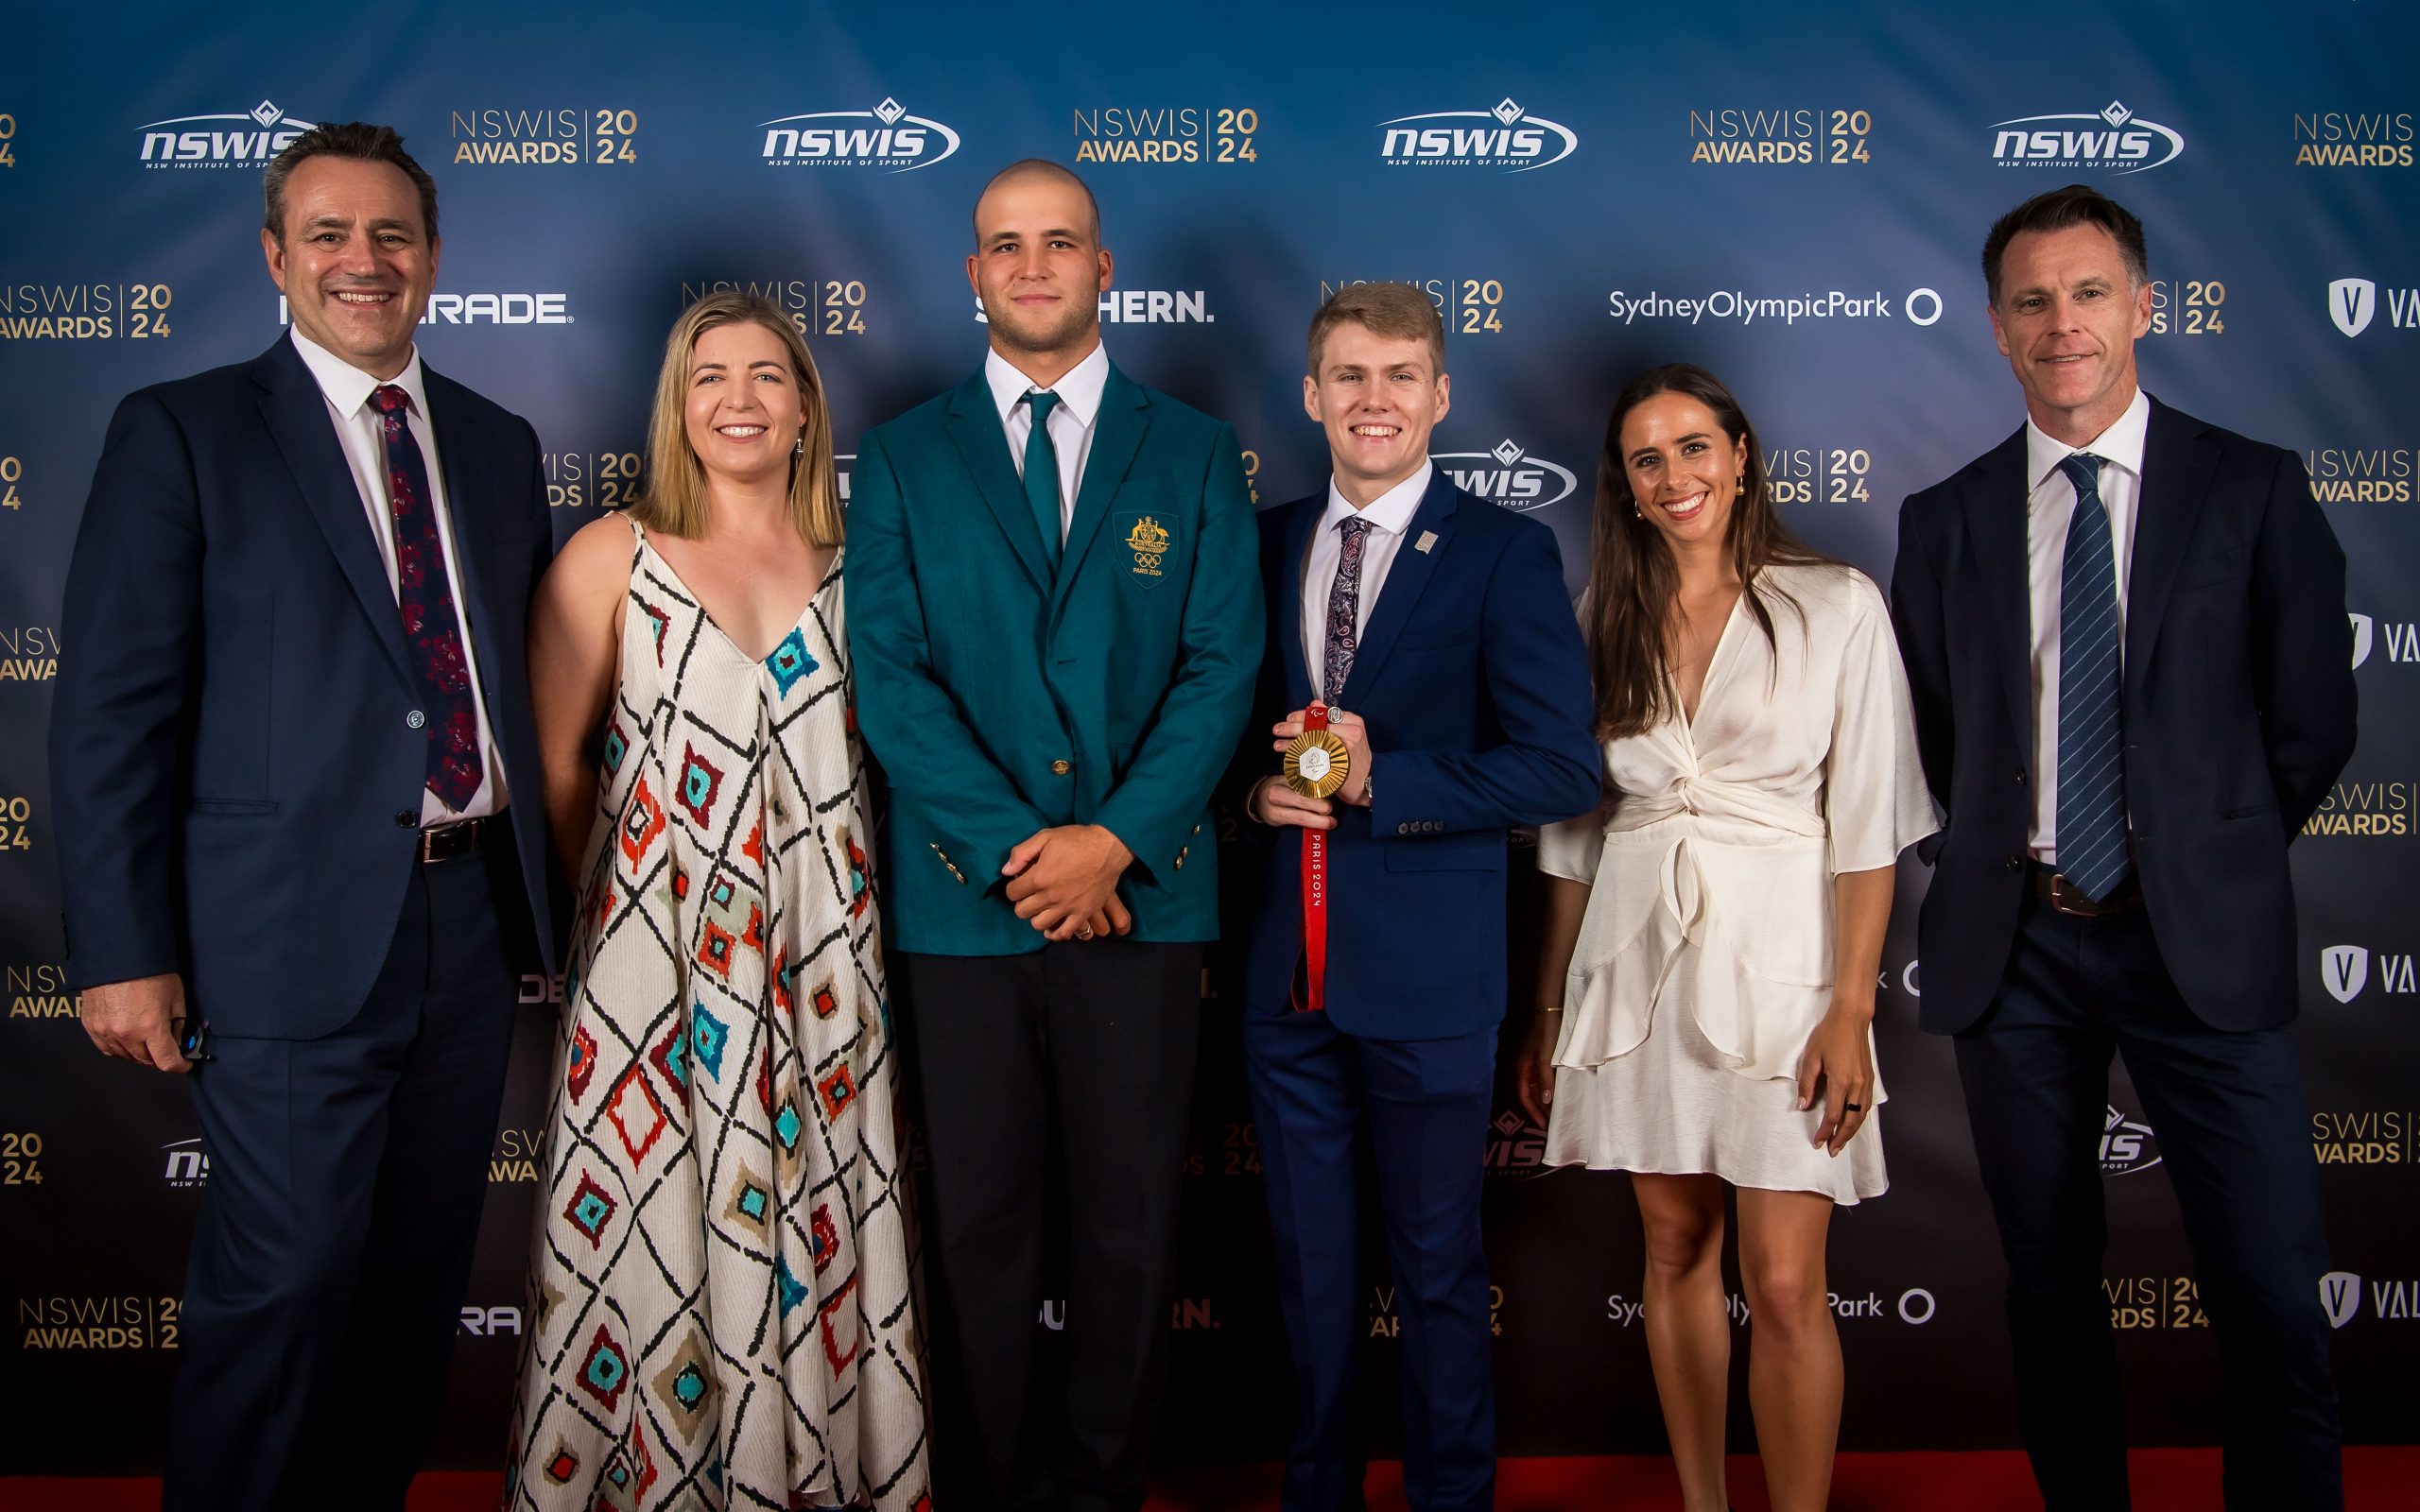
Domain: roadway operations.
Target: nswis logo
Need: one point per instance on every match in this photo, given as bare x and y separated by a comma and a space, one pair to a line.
884, 137
1509, 476
2113, 139
1506, 137
236, 139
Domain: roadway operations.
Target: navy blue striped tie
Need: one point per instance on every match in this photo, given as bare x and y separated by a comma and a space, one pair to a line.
2091, 816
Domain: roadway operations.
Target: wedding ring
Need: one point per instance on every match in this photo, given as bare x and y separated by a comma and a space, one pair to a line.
1852, 1108
1085, 932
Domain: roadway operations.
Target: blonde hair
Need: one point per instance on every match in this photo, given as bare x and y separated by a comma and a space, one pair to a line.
1398, 312
674, 500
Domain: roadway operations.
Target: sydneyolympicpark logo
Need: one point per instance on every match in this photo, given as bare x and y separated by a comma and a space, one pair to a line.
884, 137
1504, 136
231, 139
2113, 139
1921, 306
1509, 476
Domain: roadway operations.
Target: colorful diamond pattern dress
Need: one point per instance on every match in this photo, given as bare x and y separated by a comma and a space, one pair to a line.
722, 1294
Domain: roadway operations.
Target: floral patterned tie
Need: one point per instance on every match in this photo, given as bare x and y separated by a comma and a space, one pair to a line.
432, 630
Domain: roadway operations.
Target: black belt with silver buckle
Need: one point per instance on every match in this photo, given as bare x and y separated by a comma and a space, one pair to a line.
443, 842
2066, 898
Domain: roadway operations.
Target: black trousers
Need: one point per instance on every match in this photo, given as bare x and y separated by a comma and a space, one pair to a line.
1084, 1050
2233, 1129
346, 1178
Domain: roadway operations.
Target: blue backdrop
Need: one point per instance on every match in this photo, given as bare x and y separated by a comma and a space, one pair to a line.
1792, 196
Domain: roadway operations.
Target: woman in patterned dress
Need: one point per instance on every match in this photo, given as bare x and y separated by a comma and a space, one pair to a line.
722, 1277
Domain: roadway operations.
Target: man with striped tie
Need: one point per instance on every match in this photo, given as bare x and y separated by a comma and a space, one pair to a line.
2125, 632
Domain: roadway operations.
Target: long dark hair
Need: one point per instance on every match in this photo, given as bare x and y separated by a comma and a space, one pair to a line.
1633, 581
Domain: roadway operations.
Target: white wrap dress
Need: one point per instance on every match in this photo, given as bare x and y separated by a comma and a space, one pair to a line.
1705, 960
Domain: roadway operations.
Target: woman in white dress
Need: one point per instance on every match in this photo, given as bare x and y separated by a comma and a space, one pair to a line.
722, 1279
1716, 931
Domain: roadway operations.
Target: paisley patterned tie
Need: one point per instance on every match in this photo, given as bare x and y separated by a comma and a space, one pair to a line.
1344, 608
432, 630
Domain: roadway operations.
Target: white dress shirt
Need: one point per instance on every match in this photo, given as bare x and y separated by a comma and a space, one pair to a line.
1071, 419
2049, 506
1390, 514
361, 431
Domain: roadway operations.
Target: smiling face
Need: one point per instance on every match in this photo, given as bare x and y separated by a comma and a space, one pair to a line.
355, 264
1039, 269
2068, 320
1377, 397
1684, 470
744, 410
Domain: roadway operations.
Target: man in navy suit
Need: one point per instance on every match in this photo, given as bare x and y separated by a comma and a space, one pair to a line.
281, 757
2126, 635
1436, 629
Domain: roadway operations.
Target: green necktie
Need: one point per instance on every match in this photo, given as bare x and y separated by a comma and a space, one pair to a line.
1041, 474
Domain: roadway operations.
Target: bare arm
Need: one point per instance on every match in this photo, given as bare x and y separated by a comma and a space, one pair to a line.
1533, 1081
1839, 1055
575, 642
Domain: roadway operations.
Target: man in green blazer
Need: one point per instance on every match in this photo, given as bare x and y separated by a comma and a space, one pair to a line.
1055, 617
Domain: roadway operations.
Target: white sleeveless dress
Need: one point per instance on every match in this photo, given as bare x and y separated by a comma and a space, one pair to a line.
722, 1289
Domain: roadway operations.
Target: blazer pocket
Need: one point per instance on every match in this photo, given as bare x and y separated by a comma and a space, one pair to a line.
1435, 639
2210, 567
231, 805
1471, 851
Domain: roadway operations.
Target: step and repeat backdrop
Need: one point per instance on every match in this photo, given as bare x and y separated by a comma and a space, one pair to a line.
1792, 196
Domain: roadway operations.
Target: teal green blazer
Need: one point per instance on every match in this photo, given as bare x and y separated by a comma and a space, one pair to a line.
1000, 701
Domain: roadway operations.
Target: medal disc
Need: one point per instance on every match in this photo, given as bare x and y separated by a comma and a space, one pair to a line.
1317, 764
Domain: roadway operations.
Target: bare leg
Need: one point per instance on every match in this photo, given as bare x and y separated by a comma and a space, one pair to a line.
1688, 1324
1794, 1346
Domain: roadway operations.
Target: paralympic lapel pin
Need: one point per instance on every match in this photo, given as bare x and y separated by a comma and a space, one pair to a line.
1428, 538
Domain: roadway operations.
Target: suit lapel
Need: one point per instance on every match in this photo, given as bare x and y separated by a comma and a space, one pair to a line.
983, 445
1997, 502
1407, 575
2176, 483
1117, 434
1296, 550
470, 504
296, 417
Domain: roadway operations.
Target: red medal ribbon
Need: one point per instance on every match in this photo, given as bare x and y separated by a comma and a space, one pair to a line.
1314, 899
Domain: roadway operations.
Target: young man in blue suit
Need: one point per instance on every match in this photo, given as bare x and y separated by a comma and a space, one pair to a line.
284, 757
2125, 632
1436, 629
1055, 625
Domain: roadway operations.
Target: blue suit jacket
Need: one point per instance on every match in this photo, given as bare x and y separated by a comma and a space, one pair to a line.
1002, 699
2237, 701
1472, 676
237, 790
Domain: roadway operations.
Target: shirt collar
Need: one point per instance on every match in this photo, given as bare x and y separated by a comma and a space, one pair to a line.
1079, 389
1390, 511
348, 388
2121, 444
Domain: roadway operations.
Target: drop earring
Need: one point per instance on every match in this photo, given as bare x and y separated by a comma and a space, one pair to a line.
1742, 490
798, 448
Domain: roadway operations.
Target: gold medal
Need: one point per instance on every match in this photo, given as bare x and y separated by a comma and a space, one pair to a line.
1317, 764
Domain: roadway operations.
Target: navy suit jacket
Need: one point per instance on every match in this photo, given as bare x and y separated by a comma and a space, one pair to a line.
238, 793
1475, 685
2237, 702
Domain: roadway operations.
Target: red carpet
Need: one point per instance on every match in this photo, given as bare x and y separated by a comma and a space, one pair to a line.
2378, 1478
